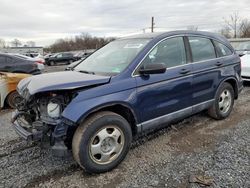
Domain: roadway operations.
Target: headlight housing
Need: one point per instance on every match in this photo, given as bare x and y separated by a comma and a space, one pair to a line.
54, 109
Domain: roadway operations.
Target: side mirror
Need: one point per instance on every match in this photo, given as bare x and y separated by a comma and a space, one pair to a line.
241, 54
155, 68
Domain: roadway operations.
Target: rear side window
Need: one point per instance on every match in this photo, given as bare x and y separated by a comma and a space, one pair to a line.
202, 49
222, 50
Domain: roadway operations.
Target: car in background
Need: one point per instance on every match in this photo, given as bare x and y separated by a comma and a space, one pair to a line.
74, 64
58, 58
81, 55
17, 63
243, 49
36, 56
8, 94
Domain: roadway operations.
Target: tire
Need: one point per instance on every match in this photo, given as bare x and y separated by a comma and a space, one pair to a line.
13, 98
221, 110
93, 146
51, 63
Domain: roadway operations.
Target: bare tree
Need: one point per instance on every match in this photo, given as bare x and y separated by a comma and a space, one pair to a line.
225, 32
31, 44
233, 23
79, 42
16, 43
2, 43
245, 28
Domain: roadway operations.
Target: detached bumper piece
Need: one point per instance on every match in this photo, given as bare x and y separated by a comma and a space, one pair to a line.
22, 131
59, 149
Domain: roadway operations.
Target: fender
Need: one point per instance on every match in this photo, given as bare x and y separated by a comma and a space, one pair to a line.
77, 111
237, 88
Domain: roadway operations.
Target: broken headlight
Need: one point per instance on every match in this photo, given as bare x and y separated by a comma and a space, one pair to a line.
54, 109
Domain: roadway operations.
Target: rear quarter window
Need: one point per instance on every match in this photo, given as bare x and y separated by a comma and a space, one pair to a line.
202, 49
222, 50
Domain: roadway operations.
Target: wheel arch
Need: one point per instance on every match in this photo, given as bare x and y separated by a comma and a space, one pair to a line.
233, 82
122, 109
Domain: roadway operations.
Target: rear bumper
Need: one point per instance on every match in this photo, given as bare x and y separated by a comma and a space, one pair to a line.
246, 78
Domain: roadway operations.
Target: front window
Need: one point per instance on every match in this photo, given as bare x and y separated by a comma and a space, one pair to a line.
170, 52
112, 58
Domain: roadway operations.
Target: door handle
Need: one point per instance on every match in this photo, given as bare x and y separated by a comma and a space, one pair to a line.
184, 71
218, 64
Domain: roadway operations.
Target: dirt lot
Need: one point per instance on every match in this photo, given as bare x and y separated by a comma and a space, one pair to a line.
198, 145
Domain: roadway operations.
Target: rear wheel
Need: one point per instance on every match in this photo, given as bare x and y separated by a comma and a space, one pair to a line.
51, 63
13, 98
224, 101
101, 142
69, 62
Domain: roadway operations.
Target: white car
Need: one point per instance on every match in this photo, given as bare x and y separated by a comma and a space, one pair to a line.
243, 50
245, 66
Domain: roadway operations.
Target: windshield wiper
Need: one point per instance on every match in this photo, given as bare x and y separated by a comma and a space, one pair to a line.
87, 72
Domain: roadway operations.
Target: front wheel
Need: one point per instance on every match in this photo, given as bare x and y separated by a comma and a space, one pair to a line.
224, 101
13, 98
101, 142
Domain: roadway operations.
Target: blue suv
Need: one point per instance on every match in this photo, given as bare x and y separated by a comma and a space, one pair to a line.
130, 86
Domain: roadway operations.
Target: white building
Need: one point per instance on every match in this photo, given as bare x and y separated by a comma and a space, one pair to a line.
23, 50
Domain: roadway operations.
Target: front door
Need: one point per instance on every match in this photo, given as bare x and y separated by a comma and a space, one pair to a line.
167, 96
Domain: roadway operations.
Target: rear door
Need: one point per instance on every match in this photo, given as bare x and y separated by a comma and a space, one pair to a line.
6, 63
161, 97
2, 63
206, 70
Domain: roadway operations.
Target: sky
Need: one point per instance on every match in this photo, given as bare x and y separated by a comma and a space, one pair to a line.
44, 21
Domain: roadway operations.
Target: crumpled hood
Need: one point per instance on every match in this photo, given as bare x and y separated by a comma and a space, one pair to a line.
59, 81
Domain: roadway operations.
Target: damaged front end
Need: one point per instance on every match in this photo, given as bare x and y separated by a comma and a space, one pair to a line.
38, 118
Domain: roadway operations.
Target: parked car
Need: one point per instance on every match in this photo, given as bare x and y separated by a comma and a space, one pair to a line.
130, 86
244, 51
36, 56
65, 57
74, 64
17, 63
80, 55
8, 93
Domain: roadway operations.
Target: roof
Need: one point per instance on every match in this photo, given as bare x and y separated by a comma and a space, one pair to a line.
178, 32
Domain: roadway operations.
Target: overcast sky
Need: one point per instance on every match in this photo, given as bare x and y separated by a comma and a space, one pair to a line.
44, 21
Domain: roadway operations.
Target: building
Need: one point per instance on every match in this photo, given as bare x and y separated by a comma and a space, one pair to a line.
236, 41
23, 50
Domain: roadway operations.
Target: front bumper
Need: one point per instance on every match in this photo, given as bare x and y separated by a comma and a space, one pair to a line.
22, 131
31, 133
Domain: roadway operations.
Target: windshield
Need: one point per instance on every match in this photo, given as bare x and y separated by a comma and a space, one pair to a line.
244, 46
112, 58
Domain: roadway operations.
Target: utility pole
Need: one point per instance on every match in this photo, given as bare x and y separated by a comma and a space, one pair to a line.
152, 24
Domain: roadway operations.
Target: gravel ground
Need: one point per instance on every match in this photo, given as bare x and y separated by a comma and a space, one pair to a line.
198, 145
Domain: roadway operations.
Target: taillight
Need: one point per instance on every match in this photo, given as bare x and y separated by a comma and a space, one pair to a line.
40, 62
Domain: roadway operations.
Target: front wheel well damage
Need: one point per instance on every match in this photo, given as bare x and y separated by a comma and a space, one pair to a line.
120, 109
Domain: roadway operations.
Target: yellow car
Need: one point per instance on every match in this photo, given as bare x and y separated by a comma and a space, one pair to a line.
8, 83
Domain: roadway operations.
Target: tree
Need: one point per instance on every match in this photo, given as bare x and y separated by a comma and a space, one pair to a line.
2, 43
31, 44
16, 43
233, 23
245, 28
79, 42
225, 32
